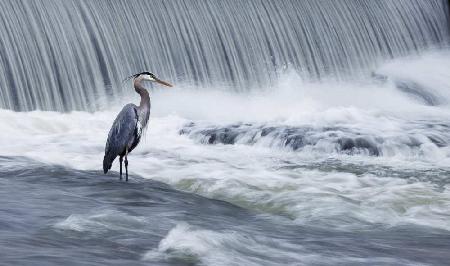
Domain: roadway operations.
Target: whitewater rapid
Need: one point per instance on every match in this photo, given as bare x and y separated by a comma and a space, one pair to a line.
316, 184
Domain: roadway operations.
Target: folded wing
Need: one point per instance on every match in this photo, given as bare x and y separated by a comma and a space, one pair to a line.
120, 135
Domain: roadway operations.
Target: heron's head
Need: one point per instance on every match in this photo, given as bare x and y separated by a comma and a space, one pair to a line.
150, 77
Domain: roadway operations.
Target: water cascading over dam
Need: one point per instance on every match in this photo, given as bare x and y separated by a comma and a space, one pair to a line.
62, 55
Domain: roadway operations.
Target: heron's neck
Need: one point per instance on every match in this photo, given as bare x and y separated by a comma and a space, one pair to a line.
144, 105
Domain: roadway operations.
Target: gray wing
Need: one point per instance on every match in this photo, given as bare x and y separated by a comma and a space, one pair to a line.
120, 135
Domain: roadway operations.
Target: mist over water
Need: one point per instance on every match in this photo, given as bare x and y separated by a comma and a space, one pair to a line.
298, 133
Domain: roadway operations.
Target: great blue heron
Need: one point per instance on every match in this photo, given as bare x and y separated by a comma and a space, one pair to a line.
126, 130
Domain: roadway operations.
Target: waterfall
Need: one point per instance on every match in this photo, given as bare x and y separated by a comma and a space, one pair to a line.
63, 55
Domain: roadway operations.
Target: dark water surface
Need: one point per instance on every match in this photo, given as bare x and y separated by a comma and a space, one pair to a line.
50, 215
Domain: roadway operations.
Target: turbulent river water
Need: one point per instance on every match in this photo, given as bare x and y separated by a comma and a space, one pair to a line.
301, 174
305, 168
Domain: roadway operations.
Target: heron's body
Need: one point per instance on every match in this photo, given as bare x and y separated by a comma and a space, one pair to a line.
124, 135
126, 131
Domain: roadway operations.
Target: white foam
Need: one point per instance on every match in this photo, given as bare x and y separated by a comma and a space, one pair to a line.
430, 70
100, 221
185, 242
188, 244
293, 101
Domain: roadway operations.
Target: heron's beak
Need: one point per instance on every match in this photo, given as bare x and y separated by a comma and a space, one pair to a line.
163, 82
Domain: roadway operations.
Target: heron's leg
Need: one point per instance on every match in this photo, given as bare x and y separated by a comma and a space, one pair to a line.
120, 159
126, 165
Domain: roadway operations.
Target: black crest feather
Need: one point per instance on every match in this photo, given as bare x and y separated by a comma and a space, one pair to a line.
137, 75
